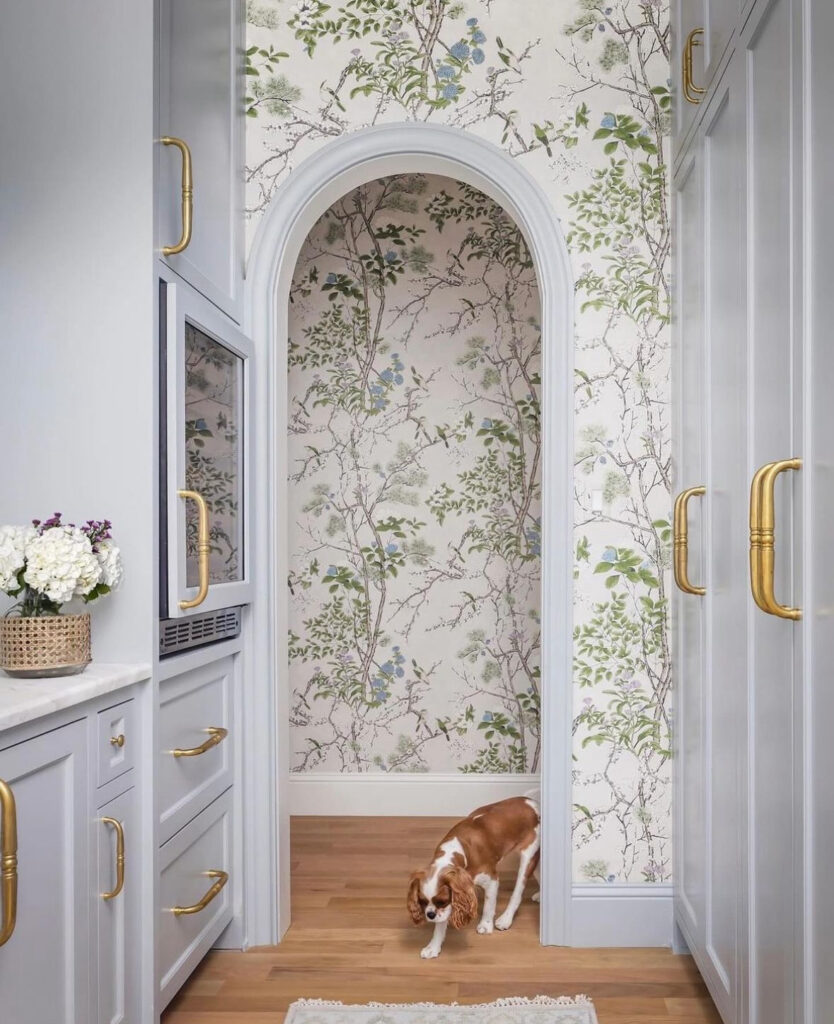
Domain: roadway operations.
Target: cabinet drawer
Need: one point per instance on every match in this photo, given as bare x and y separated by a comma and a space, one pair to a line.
196, 743
115, 741
194, 908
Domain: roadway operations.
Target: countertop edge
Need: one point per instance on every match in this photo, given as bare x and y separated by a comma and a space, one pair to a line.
26, 700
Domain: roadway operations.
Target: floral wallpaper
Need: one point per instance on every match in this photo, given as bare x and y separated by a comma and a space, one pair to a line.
415, 460
578, 91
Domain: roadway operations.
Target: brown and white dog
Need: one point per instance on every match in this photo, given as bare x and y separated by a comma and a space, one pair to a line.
469, 855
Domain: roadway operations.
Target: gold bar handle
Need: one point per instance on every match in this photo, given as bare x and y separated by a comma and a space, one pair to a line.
187, 196
762, 538
203, 547
680, 532
691, 93
222, 877
8, 861
120, 858
216, 736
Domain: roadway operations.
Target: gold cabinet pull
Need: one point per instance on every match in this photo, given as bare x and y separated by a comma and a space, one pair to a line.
762, 538
8, 861
187, 196
222, 877
216, 736
692, 93
120, 858
118, 741
680, 531
203, 547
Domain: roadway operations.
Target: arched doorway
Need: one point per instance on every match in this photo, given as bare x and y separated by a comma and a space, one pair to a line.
312, 188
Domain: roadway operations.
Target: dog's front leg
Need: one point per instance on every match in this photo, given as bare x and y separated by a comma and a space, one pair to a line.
490, 887
436, 944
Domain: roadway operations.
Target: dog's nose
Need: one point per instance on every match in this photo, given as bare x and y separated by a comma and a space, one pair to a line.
430, 914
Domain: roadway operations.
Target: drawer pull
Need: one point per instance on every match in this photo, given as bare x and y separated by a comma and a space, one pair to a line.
187, 201
8, 861
681, 541
222, 877
203, 548
216, 736
762, 544
120, 858
692, 93
118, 741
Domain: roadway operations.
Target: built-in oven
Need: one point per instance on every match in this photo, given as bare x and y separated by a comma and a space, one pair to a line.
204, 368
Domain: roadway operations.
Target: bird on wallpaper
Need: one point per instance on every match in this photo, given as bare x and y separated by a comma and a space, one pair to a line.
467, 856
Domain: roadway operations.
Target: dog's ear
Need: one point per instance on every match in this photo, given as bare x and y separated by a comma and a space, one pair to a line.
414, 907
464, 899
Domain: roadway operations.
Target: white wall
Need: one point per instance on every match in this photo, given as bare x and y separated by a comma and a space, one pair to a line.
77, 385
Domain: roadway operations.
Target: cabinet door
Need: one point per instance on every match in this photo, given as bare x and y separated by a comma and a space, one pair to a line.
116, 901
44, 965
725, 602
208, 435
775, 248
688, 609
200, 76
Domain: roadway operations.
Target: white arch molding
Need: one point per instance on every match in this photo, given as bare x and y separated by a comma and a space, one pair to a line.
308, 192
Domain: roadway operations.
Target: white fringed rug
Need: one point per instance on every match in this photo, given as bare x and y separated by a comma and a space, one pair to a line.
541, 1010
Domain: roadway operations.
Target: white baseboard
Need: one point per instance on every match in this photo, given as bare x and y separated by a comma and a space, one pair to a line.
621, 915
402, 793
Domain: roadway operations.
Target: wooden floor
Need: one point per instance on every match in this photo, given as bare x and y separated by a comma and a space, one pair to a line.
351, 939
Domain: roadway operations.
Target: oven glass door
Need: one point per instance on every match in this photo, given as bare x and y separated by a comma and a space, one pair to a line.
207, 374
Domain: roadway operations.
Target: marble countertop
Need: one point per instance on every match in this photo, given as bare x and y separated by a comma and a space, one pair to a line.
23, 700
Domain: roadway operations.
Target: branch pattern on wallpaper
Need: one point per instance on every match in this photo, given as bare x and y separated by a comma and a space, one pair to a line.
578, 91
415, 455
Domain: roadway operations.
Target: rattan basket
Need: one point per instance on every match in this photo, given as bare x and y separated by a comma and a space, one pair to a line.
44, 645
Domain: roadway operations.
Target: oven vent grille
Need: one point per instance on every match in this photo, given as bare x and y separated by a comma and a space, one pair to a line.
176, 635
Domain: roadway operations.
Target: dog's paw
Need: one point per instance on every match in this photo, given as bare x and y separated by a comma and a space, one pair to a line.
429, 952
503, 922
485, 928
536, 897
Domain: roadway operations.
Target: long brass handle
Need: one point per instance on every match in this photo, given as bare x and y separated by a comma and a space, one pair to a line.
187, 195
222, 877
8, 861
216, 736
762, 538
680, 531
203, 547
692, 93
120, 858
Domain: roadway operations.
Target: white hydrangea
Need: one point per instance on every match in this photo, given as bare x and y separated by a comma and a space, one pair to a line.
13, 541
60, 563
110, 560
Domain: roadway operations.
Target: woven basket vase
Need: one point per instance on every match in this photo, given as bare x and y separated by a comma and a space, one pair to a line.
45, 645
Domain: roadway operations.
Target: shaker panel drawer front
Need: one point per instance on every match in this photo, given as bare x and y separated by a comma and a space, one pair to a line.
194, 893
196, 742
116, 741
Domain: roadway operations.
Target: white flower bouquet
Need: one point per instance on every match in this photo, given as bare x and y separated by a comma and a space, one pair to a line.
49, 563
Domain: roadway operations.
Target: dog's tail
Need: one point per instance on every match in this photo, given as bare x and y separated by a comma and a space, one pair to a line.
535, 796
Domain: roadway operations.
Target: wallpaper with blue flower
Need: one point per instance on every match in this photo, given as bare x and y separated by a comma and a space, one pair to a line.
415, 485
578, 91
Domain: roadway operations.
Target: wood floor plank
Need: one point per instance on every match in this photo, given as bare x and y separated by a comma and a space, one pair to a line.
351, 939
